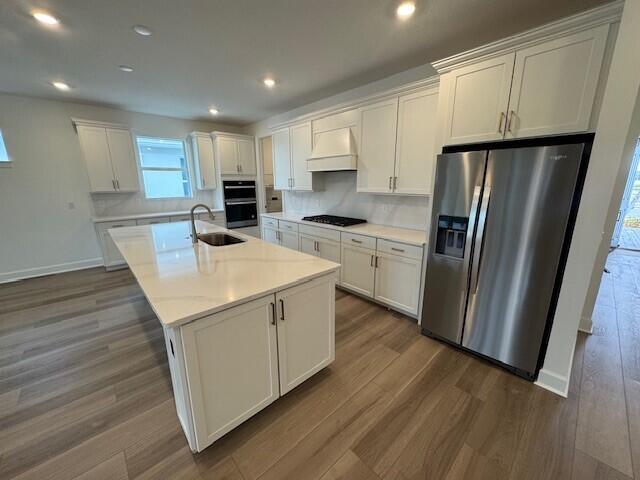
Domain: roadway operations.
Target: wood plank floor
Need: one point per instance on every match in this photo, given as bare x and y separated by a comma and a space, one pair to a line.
85, 393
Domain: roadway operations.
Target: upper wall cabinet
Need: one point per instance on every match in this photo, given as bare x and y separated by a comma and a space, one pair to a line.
204, 160
544, 89
109, 156
291, 149
397, 144
236, 153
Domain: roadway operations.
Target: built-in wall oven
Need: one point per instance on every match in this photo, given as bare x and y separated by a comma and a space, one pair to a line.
240, 203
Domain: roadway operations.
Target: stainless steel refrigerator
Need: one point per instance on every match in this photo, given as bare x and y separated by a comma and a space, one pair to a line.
500, 223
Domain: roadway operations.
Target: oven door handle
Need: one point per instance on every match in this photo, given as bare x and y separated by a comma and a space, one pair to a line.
246, 202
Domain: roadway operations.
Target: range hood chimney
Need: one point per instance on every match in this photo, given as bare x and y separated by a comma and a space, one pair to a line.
334, 150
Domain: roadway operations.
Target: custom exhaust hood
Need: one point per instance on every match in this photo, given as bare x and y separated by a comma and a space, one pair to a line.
334, 150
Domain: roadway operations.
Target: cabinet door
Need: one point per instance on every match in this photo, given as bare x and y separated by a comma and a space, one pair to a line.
281, 159
415, 148
123, 160
231, 360
270, 235
246, 156
227, 150
306, 330
110, 253
398, 282
95, 150
328, 250
478, 101
358, 272
308, 245
204, 162
376, 159
289, 240
300, 152
554, 85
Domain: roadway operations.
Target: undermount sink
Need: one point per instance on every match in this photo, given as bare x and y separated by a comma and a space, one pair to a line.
218, 239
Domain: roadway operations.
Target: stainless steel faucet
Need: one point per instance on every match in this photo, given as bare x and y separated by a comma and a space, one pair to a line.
194, 233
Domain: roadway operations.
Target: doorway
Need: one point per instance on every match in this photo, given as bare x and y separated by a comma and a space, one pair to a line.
626, 234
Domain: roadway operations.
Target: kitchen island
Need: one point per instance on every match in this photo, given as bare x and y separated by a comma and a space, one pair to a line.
243, 323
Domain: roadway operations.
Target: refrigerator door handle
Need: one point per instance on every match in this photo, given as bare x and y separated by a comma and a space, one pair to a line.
477, 249
470, 228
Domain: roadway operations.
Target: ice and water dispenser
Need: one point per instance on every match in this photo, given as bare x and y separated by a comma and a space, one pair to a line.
452, 234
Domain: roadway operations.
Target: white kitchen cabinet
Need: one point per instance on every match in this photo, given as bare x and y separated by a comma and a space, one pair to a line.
280, 237
123, 159
397, 281
378, 123
300, 137
110, 254
320, 247
291, 149
358, 269
547, 88
236, 153
231, 360
306, 330
554, 85
478, 100
281, 159
270, 235
246, 156
415, 144
204, 161
109, 156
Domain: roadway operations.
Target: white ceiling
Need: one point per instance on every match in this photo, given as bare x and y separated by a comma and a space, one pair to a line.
206, 52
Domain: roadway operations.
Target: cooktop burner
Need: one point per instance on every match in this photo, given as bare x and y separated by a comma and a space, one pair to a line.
334, 220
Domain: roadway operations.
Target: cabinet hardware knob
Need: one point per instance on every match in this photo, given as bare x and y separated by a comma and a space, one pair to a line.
510, 120
282, 310
395, 182
390, 180
376, 261
372, 260
173, 352
500, 118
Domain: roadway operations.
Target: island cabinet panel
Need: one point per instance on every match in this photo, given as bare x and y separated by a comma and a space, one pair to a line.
306, 330
231, 361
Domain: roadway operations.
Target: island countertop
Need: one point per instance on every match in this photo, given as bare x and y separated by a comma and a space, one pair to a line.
184, 282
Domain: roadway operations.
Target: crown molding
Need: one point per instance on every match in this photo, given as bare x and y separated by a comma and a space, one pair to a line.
429, 82
95, 123
603, 15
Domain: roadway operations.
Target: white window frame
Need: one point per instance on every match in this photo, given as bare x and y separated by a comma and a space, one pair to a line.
9, 162
162, 169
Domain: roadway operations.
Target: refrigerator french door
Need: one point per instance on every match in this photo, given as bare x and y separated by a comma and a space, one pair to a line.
498, 230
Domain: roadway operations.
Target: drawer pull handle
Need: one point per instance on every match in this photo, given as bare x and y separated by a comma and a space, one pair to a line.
356, 241
397, 249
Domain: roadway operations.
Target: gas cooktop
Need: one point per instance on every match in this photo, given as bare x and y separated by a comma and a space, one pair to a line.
334, 220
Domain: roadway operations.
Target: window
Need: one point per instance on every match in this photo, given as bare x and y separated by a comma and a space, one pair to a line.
4, 156
164, 167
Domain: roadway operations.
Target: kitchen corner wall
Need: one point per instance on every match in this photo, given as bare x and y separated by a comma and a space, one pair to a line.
45, 205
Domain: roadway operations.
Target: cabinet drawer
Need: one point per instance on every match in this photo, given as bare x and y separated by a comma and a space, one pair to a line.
269, 222
358, 240
397, 248
327, 233
288, 226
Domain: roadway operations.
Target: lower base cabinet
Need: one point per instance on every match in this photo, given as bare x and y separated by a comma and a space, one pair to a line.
358, 269
228, 366
397, 282
280, 237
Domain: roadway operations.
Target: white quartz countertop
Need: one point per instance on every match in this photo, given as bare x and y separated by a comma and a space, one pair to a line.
183, 282
136, 216
404, 235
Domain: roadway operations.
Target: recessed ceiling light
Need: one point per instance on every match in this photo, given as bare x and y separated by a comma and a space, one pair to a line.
126, 68
406, 9
61, 86
45, 17
269, 82
213, 111
142, 30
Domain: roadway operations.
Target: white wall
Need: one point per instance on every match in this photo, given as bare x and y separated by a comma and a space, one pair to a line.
617, 132
45, 207
339, 196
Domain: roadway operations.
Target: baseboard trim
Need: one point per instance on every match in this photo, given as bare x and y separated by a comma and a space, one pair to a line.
553, 382
16, 275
